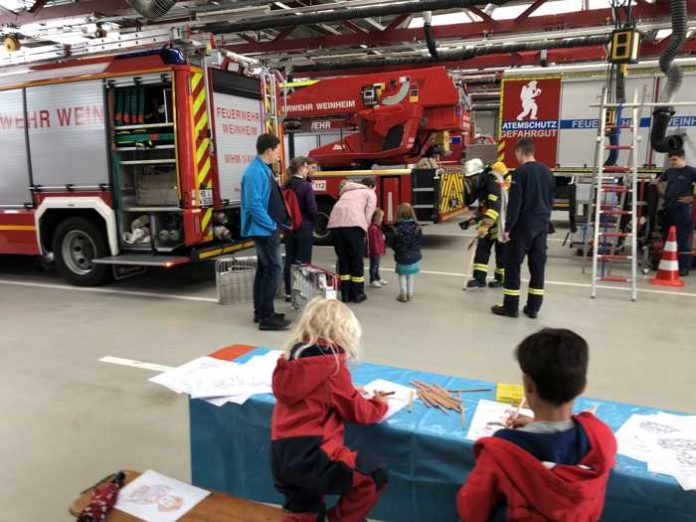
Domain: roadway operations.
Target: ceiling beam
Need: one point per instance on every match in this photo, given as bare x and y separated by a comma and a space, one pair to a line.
592, 18
88, 7
482, 14
355, 27
396, 22
518, 59
533, 7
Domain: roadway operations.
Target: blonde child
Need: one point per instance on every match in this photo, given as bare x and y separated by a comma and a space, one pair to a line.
315, 398
376, 248
408, 237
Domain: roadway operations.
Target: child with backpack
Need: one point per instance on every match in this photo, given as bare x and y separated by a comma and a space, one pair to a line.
376, 248
315, 399
406, 243
554, 466
302, 209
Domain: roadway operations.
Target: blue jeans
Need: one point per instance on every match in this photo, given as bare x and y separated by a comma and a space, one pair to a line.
374, 269
268, 269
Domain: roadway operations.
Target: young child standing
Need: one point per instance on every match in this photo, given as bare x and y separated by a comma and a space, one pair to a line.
315, 398
376, 248
408, 237
554, 466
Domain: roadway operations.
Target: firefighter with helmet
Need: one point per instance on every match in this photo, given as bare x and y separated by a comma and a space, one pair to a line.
487, 184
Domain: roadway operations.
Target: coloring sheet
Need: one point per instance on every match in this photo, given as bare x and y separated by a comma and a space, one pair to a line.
489, 417
665, 442
154, 497
396, 402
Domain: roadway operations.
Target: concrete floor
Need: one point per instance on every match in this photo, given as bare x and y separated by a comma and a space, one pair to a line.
69, 419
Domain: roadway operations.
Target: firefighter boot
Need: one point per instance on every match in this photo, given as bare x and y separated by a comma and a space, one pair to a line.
358, 292
346, 291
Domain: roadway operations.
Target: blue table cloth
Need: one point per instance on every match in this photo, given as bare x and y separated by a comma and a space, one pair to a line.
426, 451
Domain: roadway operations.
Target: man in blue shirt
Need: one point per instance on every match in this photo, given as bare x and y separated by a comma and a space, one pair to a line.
263, 217
678, 198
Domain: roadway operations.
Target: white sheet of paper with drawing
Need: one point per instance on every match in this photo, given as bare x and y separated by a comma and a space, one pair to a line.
665, 442
396, 402
183, 378
241, 380
154, 497
489, 417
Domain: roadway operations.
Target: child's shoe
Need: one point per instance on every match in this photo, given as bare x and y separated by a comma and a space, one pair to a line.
403, 298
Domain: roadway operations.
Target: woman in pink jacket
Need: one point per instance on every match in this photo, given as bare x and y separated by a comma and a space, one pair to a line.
349, 220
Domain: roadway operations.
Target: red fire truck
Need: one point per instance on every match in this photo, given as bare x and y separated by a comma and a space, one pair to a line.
127, 161
368, 122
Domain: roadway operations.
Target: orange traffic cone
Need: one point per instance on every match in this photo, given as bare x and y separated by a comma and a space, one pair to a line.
668, 270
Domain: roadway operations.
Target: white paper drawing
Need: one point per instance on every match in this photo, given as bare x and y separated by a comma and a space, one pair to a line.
489, 417
396, 402
154, 497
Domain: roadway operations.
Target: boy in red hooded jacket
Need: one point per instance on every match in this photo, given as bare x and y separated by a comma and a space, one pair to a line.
315, 398
555, 466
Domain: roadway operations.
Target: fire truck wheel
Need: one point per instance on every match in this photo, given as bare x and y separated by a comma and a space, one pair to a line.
322, 235
76, 243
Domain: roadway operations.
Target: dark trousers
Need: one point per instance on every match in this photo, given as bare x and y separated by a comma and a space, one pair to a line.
298, 249
483, 254
528, 238
682, 219
374, 269
349, 244
305, 502
268, 268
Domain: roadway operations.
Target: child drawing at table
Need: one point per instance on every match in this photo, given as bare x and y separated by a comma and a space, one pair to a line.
315, 398
554, 466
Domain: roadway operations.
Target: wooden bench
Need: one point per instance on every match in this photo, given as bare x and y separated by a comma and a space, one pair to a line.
216, 507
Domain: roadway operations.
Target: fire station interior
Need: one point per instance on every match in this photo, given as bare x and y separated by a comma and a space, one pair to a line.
122, 254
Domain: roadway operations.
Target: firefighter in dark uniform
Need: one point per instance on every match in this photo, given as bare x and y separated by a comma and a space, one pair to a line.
526, 227
678, 195
489, 186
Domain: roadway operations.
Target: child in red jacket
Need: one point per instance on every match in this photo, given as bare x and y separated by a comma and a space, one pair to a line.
550, 468
376, 248
315, 398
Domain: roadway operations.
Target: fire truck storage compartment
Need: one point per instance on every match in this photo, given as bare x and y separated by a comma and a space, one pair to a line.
425, 193
14, 181
67, 134
237, 123
144, 148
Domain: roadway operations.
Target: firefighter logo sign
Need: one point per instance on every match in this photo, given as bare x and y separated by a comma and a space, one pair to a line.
530, 109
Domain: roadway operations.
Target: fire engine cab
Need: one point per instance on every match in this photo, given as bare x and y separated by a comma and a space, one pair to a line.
127, 161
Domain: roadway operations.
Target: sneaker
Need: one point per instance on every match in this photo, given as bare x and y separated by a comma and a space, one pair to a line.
495, 284
376, 284
402, 298
274, 323
383, 282
288, 298
475, 283
500, 310
683, 272
276, 315
360, 298
529, 313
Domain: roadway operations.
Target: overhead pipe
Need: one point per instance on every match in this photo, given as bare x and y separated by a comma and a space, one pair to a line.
662, 115
152, 9
429, 35
461, 54
275, 22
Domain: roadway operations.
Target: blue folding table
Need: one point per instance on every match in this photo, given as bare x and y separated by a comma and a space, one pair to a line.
426, 451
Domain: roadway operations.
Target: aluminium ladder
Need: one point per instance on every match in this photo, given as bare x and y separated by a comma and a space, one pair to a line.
615, 225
